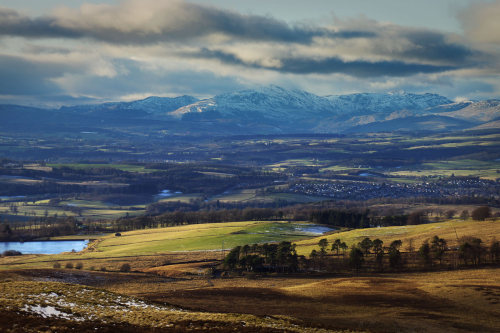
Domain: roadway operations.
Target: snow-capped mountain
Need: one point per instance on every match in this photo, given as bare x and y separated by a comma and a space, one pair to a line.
149, 106
276, 102
366, 103
482, 111
271, 102
266, 110
297, 110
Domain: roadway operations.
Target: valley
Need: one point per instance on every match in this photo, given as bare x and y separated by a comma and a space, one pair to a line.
358, 213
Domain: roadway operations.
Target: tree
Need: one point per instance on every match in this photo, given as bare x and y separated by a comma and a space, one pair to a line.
470, 249
323, 243
356, 259
366, 244
416, 218
425, 253
396, 244
495, 250
395, 260
481, 213
438, 248
336, 246
344, 247
233, 258
377, 245
314, 257
464, 215
378, 249
449, 213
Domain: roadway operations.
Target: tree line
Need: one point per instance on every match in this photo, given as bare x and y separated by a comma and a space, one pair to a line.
366, 256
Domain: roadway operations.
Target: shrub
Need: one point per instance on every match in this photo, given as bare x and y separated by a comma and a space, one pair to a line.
79, 265
118, 234
481, 213
56, 265
69, 265
125, 268
11, 253
103, 268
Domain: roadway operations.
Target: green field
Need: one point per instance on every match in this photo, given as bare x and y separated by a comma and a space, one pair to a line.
88, 209
449, 230
213, 236
199, 237
122, 167
471, 168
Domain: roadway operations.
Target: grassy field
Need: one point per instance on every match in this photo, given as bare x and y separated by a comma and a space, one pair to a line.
89, 209
123, 167
89, 309
198, 237
449, 301
470, 168
212, 238
449, 230
443, 301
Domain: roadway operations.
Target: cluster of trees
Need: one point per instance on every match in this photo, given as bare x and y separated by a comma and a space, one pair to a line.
432, 253
280, 258
340, 218
39, 228
358, 252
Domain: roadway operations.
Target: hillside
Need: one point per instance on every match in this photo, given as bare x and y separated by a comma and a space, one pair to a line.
449, 230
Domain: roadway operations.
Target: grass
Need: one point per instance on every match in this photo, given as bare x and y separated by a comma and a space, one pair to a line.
92, 209
112, 251
470, 168
122, 167
486, 230
197, 237
416, 302
64, 303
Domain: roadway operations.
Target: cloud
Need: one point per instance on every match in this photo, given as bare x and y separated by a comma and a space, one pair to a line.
13, 23
149, 21
26, 77
433, 46
357, 68
140, 47
481, 22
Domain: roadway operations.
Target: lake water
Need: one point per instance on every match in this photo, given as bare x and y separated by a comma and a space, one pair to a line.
313, 229
167, 193
45, 247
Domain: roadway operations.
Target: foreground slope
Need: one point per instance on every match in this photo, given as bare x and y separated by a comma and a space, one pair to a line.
34, 306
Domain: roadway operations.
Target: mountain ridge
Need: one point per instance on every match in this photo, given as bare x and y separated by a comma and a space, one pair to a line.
269, 110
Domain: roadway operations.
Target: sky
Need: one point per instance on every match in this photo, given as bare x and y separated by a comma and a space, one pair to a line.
56, 52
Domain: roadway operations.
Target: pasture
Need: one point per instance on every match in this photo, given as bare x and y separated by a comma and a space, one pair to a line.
450, 230
211, 239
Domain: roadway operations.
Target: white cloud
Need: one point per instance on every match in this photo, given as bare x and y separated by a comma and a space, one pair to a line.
481, 22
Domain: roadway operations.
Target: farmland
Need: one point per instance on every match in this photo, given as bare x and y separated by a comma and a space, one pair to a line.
163, 199
450, 230
213, 238
172, 271
245, 171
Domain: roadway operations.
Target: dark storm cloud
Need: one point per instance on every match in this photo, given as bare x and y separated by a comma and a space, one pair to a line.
177, 21
23, 77
433, 46
357, 68
14, 24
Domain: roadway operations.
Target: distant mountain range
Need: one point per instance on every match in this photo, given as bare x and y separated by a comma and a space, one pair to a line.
267, 110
